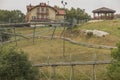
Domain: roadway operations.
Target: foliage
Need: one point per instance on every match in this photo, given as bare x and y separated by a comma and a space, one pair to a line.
78, 14
114, 68
14, 65
89, 34
117, 16
11, 16
3, 34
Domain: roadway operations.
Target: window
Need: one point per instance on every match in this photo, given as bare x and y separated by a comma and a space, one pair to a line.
46, 9
42, 16
38, 9
33, 17
42, 9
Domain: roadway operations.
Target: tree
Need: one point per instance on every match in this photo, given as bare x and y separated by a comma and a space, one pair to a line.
70, 14
3, 34
78, 14
18, 16
14, 65
114, 68
11, 16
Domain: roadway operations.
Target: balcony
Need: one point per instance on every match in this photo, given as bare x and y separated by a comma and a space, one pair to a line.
41, 20
42, 13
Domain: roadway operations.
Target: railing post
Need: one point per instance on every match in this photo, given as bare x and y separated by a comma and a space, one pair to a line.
72, 72
1, 38
15, 35
54, 73
53, 33
34, 34
63, 41
94, 71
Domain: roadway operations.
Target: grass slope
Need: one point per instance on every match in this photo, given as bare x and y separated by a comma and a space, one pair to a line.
110, 26
47, 50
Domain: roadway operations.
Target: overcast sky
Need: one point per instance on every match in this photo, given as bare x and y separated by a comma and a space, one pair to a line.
88, 5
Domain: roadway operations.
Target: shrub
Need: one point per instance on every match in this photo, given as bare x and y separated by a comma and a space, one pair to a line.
89, 34
3, 35
114, 68
14, 65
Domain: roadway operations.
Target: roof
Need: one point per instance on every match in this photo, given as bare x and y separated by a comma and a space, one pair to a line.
58, 11
103, 9
30, 7
61, 12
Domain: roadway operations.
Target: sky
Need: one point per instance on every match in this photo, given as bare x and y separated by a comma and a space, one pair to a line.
88, 5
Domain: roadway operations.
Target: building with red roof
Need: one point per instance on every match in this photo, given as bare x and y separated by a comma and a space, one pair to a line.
44, 13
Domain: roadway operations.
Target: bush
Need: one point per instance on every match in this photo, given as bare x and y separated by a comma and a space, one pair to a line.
89, 34
3, 35
14, 65
114, 68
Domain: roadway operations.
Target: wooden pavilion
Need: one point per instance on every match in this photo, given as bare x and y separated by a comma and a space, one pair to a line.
103, 14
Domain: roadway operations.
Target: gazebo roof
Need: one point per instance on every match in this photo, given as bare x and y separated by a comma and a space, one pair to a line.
103, 10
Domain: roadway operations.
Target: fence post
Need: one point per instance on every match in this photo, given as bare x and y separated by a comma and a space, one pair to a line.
15, 35
34, 34
54, 73
53, 33
64, 42
48, 60
94, 72
72, 72
1, 38
70, 58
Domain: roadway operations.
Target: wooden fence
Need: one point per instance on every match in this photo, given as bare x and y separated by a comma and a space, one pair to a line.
72, 65
55, 65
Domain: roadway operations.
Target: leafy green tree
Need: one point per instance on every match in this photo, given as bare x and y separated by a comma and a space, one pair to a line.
14, 65
70, 14
4, 15
114, 68
4, 36
11, 16
78, 14
18, 16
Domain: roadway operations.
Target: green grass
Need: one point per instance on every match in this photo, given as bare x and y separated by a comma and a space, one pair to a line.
44, 48
47, 50
110, 26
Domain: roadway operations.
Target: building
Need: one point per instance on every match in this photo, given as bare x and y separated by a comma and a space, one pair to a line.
103, 14
44, 13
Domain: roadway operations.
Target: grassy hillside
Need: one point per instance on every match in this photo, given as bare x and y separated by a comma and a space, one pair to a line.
110, 26
47, 50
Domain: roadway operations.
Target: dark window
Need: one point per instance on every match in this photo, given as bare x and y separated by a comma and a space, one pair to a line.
42, 9
38, 9
42, 16
33, 17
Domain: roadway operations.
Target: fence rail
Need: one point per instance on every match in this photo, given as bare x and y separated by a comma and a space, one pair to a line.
72, 70
63, 64
33, 23
72, 63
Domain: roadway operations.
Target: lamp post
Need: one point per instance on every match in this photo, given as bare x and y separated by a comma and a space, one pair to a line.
64, 4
